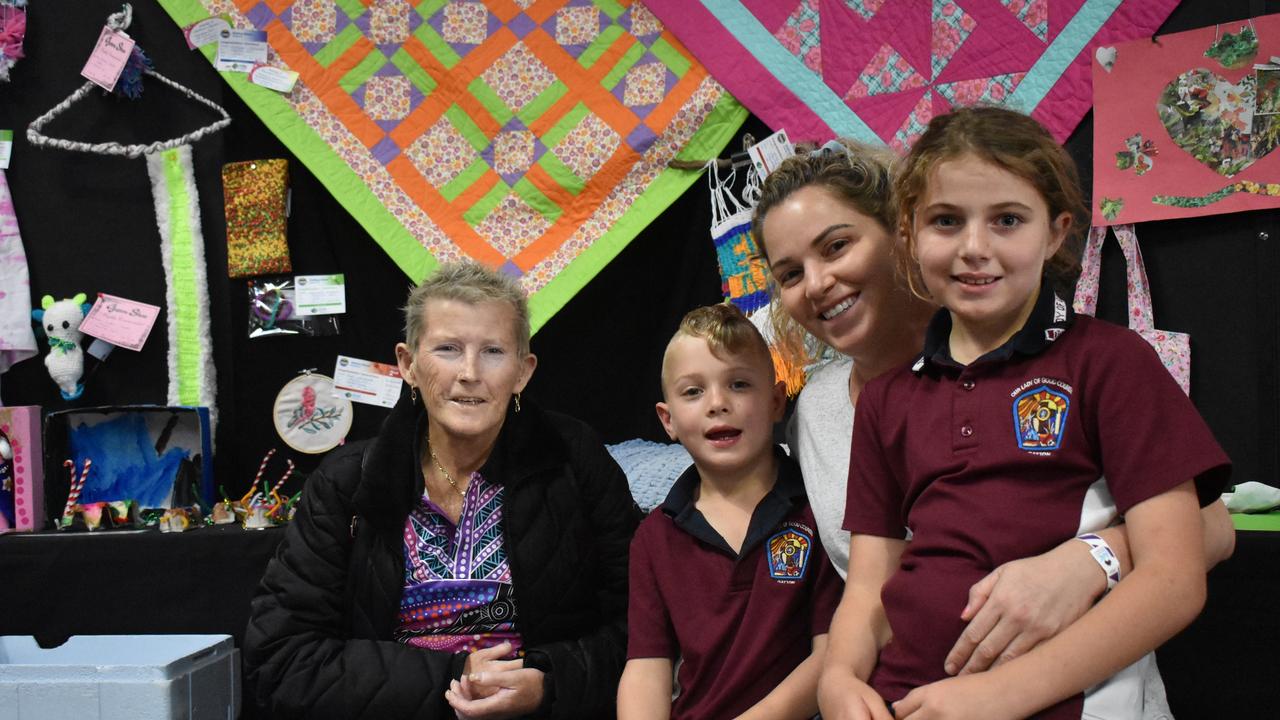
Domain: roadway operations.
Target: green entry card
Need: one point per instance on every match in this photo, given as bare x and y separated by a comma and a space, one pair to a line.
6, 148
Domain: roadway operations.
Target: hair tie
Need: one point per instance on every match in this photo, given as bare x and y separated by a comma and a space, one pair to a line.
831, 147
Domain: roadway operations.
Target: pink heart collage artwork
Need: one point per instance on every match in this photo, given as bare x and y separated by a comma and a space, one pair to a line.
1186, 125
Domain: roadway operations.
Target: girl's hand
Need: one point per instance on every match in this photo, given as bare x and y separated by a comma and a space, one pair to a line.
496, 694
842, 696
1021, 604
975, 697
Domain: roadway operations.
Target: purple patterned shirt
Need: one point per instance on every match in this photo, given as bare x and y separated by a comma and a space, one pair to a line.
458, 595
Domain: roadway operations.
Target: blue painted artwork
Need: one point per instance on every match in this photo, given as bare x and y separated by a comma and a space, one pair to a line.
126, 465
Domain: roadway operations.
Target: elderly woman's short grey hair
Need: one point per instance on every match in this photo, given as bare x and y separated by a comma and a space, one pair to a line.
471, 283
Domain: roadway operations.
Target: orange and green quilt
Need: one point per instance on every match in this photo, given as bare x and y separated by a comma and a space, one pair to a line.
530, 135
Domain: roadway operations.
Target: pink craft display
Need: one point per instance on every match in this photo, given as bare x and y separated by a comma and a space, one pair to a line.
21, 425
1188, 126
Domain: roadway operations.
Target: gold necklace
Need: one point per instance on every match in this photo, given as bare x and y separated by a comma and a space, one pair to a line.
432, 452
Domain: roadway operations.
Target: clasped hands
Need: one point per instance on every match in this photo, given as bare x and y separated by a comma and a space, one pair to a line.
1010, 611
495, 689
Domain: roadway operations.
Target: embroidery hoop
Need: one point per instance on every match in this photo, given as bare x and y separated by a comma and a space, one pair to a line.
305, 435
121, 21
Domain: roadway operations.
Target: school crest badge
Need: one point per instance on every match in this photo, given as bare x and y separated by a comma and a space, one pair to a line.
1040, 418
789, 555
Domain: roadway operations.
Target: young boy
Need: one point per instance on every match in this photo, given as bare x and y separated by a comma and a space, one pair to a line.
731, 590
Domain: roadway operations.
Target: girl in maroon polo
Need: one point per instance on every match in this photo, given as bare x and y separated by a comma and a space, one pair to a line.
994, 445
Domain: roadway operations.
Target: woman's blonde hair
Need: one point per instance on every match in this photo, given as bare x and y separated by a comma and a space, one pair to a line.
855, 173
1009, 140
471, 283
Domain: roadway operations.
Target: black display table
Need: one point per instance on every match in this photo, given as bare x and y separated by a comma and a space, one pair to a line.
1226, 664
57, 585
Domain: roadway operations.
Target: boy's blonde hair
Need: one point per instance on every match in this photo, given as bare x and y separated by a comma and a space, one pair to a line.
727, 332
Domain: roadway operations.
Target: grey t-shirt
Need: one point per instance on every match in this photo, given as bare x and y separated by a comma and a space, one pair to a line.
819, 433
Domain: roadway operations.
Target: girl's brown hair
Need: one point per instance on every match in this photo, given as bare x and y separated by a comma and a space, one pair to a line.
855, 173
1006, 139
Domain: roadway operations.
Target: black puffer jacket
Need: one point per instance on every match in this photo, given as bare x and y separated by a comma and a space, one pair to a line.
319, 642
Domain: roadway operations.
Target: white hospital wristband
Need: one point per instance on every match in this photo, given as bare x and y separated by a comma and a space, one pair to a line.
1105, 557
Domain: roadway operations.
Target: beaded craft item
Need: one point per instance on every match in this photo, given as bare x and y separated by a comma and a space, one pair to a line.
254, 197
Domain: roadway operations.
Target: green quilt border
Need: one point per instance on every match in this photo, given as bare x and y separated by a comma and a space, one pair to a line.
416, 262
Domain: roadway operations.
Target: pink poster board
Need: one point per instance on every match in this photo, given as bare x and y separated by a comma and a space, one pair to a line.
1181, 133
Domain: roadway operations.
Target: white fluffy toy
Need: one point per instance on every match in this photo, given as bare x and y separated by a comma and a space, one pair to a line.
60, 320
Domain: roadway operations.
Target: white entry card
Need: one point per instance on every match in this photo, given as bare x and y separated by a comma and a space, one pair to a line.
769, 153
363, 381
320, 294
206, 32
239, 50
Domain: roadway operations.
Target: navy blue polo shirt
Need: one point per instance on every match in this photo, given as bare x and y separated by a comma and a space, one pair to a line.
1004, 459
735, 624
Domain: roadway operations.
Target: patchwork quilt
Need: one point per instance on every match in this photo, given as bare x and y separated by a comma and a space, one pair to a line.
530, 135
879, 70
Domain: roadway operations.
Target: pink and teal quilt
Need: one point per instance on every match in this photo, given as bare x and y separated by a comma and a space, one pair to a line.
878, 70
531, 135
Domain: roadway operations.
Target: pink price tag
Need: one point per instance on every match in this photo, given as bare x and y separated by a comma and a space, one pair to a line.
119, 321
108, 59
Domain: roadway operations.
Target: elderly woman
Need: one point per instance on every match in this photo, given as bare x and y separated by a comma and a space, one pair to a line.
823, 223
471, 560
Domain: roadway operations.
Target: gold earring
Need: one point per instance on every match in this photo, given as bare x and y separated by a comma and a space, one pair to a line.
413, 395
517, 402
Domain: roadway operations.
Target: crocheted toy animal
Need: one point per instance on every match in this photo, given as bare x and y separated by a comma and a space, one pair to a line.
60, 320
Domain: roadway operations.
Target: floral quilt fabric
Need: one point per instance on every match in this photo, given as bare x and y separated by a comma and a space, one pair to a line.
530, 135
879, 70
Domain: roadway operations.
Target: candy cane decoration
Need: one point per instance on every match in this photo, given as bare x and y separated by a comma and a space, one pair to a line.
77, 484
258, 478
280, 483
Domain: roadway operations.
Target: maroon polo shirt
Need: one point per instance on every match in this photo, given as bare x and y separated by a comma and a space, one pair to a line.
1004, 459
735, 624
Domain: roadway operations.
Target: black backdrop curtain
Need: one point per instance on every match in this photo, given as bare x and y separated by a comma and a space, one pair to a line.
89, 226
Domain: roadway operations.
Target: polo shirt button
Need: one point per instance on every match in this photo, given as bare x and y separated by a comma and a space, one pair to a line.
966, 430
967, 384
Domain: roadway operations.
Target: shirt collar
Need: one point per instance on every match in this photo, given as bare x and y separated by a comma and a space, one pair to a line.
1050, 317
787, 493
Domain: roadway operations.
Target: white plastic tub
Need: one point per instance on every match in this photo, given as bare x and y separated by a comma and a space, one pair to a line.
139, 677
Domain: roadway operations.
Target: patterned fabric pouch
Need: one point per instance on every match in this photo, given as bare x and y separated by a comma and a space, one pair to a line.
254, 195
1174, 348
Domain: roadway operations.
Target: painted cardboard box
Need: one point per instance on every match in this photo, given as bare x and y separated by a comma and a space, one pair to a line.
159, 456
